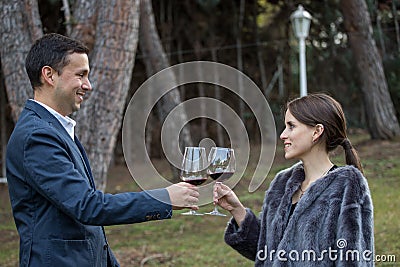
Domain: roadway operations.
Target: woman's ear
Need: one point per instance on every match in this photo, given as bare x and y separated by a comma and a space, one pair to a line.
319, 129
47, 75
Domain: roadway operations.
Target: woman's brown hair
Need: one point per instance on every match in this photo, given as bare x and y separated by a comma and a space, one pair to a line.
322, 109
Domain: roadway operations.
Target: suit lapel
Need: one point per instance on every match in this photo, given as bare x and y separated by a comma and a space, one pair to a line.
75, 145
85, 160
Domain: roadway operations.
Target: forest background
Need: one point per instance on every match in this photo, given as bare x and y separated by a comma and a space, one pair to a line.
353, 53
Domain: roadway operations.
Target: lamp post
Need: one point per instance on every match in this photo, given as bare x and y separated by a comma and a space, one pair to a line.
301, 25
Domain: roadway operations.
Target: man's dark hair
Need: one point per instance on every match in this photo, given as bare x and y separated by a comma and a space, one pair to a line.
51, 50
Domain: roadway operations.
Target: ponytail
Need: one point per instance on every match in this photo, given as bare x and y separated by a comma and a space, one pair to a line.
351, 154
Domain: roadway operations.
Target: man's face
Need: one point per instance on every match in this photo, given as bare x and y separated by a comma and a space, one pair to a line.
72, 84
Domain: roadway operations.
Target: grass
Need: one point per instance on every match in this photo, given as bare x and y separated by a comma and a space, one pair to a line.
198, 241
182, 241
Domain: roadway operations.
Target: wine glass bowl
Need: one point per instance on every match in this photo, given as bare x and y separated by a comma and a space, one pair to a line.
194, 169
222, 166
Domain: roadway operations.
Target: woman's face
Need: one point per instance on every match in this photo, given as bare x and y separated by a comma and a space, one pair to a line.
297, 138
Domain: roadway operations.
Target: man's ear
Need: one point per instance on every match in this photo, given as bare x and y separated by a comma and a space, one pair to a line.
47, 75
319, 129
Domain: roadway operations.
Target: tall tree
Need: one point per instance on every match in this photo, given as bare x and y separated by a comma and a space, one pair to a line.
112, 61
84, 20
112, 28
239, 57
3, 129
381, 117
156, 60
19, 26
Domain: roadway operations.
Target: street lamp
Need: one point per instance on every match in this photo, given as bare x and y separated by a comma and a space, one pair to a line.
301, 24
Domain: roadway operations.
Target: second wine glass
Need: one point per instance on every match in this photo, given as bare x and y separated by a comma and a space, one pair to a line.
222, 165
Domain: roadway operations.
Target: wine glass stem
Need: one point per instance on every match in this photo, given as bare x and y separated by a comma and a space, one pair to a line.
215, 208
215, 205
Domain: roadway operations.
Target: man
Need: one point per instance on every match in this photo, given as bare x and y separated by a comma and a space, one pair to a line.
57, 210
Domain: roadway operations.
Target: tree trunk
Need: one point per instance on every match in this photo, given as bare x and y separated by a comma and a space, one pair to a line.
280, 80
198, 48
84, 19
112, 62
19, 27
156, 60
259, 47
3, 129
380, 33
33, 18
381, 116
181, 60
202, 93
396, 23
67, 15
217, 95
239, 56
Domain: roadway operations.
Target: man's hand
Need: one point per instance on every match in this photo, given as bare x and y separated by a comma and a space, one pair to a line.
183, 195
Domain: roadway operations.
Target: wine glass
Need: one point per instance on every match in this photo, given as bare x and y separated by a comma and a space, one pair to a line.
222, 165
194, 169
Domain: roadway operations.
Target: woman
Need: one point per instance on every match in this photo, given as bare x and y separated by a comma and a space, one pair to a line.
314, 213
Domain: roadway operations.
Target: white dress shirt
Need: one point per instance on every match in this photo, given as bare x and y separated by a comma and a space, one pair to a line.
66, 122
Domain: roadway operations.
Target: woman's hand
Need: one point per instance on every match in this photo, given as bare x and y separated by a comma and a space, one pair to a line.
225, 198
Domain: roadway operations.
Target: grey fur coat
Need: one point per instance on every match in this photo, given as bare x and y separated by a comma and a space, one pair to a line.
332, 224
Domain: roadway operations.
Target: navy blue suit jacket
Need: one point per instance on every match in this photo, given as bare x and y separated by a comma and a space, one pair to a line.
58, 212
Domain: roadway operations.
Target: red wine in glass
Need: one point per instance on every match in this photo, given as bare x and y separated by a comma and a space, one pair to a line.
220, 176
195, 181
